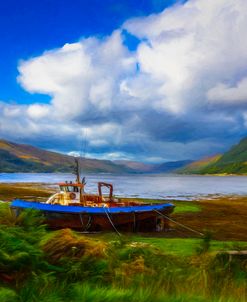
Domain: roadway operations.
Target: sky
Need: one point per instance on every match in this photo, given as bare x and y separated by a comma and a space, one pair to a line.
147, 80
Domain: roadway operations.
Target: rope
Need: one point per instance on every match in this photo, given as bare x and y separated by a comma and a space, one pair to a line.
109, 218
88, 223
82, 224
180, 224
134, 224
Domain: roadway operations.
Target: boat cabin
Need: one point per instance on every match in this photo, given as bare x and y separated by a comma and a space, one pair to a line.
74, 194
71, 191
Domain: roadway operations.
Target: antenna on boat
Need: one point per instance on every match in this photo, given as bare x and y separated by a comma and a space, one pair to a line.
78, 180
83, 151
77, 170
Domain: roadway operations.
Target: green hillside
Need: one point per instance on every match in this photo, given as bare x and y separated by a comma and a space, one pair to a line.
237, 154
197, 166
233, 161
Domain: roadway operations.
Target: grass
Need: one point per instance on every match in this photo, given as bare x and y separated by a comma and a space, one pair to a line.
181, 206
38, 265
28, 191
175, 246
186, 207
41, 265
224, 217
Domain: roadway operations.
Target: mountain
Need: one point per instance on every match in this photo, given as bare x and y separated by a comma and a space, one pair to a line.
196, 167
170, 167
136, 166
233, 161
25, 158
167, 167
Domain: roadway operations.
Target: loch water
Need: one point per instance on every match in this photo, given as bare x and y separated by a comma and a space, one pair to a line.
168, 186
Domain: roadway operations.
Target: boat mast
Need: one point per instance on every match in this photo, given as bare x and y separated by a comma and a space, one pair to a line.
78, 179
77, 170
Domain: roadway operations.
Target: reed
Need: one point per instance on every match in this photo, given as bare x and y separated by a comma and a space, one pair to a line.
41, 265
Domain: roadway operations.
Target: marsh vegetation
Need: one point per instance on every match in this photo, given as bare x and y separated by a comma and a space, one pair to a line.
37, 264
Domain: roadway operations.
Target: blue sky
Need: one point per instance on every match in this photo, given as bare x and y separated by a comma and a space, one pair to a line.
148, 80
27, 28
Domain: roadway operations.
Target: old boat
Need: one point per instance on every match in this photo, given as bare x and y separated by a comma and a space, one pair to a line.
73, 208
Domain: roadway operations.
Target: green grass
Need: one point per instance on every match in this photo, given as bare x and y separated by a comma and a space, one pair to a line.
181, 206
176, 246
187, 247
186, 207
37, 265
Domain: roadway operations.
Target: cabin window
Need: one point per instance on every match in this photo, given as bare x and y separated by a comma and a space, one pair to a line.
70, 189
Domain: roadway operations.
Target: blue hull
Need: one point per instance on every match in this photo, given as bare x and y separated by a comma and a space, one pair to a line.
18, 203
126, 218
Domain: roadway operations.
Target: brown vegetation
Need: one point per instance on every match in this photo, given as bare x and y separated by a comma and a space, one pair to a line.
28, 191
224, 217
65, 243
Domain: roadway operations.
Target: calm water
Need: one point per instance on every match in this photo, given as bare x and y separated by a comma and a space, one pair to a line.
148, 186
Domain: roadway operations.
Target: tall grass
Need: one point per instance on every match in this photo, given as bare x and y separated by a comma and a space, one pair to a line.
40, 265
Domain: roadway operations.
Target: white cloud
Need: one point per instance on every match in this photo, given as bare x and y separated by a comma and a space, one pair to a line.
38, 111
10, 111
191, 47
80, 77
74, 153
227, 93
168, 98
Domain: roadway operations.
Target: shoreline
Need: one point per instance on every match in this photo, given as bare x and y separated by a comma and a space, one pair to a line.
222, 216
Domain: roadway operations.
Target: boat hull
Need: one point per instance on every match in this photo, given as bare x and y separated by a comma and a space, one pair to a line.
128, 218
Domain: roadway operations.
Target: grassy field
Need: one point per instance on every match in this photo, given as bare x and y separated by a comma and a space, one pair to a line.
176, 266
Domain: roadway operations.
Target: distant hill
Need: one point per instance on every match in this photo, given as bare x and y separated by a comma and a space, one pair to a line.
233, 161
198, 166
168, 167
171, 167
25, 158
136, 166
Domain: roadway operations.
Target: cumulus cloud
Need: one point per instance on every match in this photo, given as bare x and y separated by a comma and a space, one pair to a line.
80, 77
169, 99
38, 111
232, 94
192, 46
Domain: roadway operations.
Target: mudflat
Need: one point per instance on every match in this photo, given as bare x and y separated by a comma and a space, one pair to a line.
29, 191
